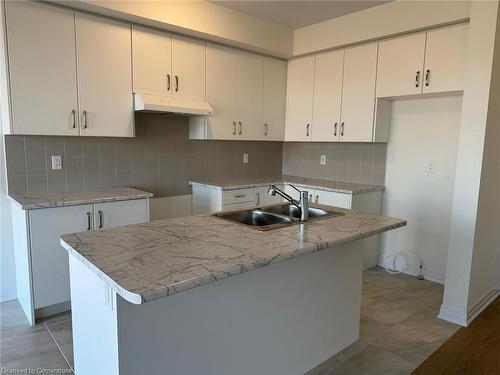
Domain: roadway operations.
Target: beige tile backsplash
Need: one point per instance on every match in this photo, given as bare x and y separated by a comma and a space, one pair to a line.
161, 159
347, 162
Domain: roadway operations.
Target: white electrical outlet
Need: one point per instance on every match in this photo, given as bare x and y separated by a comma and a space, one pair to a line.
322, 160
430, 166
56, 162
245, 158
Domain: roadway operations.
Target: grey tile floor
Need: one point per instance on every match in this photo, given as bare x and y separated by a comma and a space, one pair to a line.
399, 329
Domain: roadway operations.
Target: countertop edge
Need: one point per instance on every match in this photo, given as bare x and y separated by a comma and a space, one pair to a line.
367, 189
129, 296
221, 275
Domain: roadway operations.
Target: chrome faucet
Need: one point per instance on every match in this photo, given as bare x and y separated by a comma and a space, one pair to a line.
302, 204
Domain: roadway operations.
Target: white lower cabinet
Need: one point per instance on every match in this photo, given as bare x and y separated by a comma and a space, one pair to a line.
42, 264
48, 259
209, 199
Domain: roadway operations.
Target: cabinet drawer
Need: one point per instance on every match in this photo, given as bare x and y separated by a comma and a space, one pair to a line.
331, 198
237, 196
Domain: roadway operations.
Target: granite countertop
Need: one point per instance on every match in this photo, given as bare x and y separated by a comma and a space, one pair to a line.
144, 262
46, 200
327, 185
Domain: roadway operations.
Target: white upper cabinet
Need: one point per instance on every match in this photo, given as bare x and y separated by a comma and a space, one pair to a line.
221, 92
422, 63
274, 99
445, 59
188, 68
152, 62
327, 96
42, 62
250, 75
299, 99
400, 65
104, 77
358, 93
168, 66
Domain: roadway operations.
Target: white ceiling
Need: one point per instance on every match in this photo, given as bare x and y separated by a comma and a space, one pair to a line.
297, 14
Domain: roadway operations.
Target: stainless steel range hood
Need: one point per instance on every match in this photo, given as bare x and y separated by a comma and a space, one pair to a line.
168, 104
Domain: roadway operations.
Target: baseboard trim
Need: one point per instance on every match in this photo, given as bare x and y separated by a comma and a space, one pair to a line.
44, 312
452, 315
428, 275
482, 303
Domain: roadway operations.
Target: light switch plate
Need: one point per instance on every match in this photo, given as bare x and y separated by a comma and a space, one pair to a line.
56, 162
245, 158
322, 160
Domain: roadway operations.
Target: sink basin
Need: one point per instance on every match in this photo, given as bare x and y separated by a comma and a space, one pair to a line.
293, 211
273, 217
256, 218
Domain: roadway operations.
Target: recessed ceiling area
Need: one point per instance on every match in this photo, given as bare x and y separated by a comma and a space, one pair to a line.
295, 14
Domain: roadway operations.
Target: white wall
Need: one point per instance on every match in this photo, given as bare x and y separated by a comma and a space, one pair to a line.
478, 69
422, 130
486, 256
201, 19
166, 207
393, 18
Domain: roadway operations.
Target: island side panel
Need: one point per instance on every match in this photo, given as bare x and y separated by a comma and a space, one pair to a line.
22, 254
94, 322
282, 319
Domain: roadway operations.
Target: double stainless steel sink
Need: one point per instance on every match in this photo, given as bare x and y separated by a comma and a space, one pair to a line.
273, 217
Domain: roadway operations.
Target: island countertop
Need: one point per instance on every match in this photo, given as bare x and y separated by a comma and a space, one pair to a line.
144, 262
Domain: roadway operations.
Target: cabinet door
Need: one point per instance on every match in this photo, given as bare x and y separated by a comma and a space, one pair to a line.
42, 65
221, 92
299, 99
400, 66
273, 117
327, 96
104, 77
188, 68
445, 59
114, 214
331, 198
358, 93
49, 259
152, 62
250, 75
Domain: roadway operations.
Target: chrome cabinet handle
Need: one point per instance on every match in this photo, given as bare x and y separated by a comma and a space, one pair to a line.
335, 129
241, 127
73, 115
240, 196
101, 224
265, 129
234, 127
317, 198
310, 198
417, 78
168, 82
258, 198
176, 83
84, 115
427, 77
307, 129
89, 221
342, 129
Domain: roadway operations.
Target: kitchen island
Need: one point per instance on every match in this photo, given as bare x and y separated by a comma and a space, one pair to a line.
176, 296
